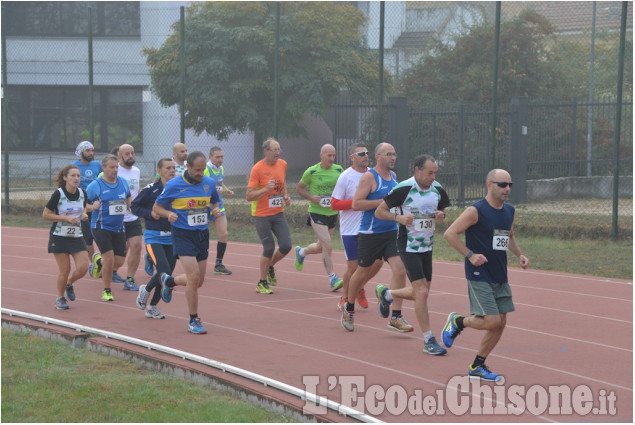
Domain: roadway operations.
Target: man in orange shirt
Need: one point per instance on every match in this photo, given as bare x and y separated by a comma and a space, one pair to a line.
267, 192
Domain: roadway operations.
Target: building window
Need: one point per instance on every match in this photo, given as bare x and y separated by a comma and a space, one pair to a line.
70, 19
55, 118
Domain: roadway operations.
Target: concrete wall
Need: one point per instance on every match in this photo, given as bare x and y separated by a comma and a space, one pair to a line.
577, 187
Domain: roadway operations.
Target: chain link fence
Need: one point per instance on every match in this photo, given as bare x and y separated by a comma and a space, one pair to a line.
561, 56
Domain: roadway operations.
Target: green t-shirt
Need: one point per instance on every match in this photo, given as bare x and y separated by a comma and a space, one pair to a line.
321, 182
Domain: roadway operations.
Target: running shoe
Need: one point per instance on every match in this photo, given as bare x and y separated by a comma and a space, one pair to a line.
348, 320
107, 295
166, 291
69, 292
116, 278
95, 268
221, 269
299, 259
382, 305
271, 277
154, 313
142, 298
61, 304
341, 304
147, 265
450, 330
263, 287
336, 283
196, 327
130, 284
482, 372
432, 347
361, 298
399, 324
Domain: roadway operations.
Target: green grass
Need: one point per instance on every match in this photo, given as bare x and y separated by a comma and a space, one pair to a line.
49, 381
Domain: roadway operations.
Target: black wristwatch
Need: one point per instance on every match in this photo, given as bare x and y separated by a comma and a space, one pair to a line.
468, 255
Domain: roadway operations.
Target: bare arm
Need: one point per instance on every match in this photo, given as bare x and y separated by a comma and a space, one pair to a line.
366, 185
255, 194
468, 218
51, 216
515, 249
303, 191
383, 213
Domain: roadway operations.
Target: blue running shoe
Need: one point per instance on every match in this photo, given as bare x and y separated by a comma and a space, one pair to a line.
196, 327
383, 305
299, 259
166, 291
69, 292
130, 284
450, 330
432, 347
116, 278
482, 372
147, 265
335, 283
61, 304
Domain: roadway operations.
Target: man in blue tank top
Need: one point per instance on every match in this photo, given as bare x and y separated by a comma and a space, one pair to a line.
377, 238
489, 233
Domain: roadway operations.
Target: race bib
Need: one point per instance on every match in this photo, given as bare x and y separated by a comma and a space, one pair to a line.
275, 201
70, 231
325, 201
197, 217
117, 207
500, 240
423, 222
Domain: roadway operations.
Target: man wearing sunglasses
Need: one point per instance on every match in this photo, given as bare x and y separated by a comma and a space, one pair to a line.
316, 185
489, 233
342, 200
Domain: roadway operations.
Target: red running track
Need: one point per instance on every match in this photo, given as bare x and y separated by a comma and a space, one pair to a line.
568, 330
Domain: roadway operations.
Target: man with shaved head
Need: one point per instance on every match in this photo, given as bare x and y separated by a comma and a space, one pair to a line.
316, 185
134, 243
489, 233
179, 155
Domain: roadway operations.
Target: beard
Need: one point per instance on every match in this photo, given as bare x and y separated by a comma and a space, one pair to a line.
129, 162
88, 156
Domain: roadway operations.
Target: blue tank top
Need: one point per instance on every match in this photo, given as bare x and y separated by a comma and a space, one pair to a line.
490, 237
371, 224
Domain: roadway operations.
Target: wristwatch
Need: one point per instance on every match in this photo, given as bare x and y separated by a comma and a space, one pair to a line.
468, 255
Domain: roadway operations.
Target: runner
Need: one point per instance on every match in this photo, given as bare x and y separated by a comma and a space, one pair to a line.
111, 199
186, 202
216, 171
67, 209
418, 204
377, 238
157, 237
316, 185
267, 192
342, 200
89, 169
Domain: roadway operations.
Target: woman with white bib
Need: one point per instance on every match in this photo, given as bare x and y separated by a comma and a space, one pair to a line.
66, 209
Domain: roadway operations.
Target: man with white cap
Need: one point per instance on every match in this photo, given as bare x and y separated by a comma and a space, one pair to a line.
89, 169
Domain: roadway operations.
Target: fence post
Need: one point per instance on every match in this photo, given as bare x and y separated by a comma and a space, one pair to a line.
461, 154
398, 134
574, 137
518, 146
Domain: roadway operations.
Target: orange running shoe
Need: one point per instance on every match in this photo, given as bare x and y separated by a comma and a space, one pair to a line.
361, 298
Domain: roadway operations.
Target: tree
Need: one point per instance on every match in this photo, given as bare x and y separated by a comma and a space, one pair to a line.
229, 58
462, 71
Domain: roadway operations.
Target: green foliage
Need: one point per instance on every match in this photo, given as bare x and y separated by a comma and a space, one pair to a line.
229, 48
462, 71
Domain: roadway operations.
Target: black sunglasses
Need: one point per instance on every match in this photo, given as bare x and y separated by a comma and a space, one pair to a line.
362, 153
503, 185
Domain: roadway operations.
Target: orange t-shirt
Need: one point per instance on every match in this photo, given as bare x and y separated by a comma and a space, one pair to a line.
271, 202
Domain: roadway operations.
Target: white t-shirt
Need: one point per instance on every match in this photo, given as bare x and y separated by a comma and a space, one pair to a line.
133, 177
344, 190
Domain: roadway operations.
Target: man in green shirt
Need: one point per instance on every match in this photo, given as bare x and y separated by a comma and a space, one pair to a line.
316, 185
